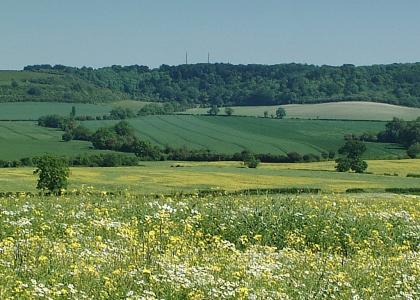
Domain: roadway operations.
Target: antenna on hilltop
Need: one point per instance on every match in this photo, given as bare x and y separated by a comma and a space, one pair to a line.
208, 57
186, 57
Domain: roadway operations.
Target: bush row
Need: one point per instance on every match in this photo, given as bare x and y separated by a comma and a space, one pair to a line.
92, 160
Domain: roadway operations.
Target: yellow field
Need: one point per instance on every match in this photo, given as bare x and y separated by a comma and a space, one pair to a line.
157, 177
401, 167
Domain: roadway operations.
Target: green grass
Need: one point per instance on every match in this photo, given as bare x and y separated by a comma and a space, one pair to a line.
165, 177
26, 139
33, 110
234, 134
335, 110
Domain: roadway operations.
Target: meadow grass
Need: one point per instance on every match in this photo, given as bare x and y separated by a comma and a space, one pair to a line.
165, 177
334, 110
363, 246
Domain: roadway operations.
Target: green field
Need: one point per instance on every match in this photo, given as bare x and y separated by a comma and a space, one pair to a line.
335, 110
234, 134
168, 177
34, 110
222, 134
26, 139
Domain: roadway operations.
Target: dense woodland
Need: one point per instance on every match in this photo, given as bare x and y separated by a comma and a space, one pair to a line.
220, 84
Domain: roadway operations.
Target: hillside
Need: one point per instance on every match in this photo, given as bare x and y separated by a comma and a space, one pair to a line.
220, 134
234, 134
333, 110
19, 86
219, 84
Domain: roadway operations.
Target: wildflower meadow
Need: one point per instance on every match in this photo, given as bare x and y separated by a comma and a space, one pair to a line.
100, 246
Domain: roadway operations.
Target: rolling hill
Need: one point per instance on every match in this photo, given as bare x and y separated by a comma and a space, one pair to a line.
234, 134
333, 110
221, 134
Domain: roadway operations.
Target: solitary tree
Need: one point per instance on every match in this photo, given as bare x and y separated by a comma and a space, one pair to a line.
280, 113
214, 110
229, 111
249, 159
352, 151
53, 173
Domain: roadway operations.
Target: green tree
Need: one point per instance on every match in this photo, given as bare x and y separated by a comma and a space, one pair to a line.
352, 148
214, 110
343, 164
67, 136
414, 150
280, 113
34, 91
265, 114
73, 112
252, 162
14, 83
249, 159
352, 151
53, 173
229, 111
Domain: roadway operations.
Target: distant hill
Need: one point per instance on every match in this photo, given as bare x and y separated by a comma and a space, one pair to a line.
336, 110
216, 84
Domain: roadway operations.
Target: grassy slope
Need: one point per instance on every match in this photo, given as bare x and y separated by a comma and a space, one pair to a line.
33, 110
26, 139
163, 177
336, 110
234, 134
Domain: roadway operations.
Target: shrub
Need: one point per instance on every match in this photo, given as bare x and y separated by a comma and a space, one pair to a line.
413, 150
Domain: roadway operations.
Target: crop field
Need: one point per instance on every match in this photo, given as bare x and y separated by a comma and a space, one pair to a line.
170, 177
26, 139
234, 134
335, 110
230, 247
34, 110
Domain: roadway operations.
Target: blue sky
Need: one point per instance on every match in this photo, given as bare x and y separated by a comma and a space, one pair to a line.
153, 32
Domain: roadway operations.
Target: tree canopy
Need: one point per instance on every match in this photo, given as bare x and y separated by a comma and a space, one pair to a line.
224, 84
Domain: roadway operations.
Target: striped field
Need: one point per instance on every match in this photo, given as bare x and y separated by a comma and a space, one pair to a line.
335, 110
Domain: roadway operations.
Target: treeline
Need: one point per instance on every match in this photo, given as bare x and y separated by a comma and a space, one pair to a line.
185, 154
227, 84
405, 133
57, 86
85, 160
